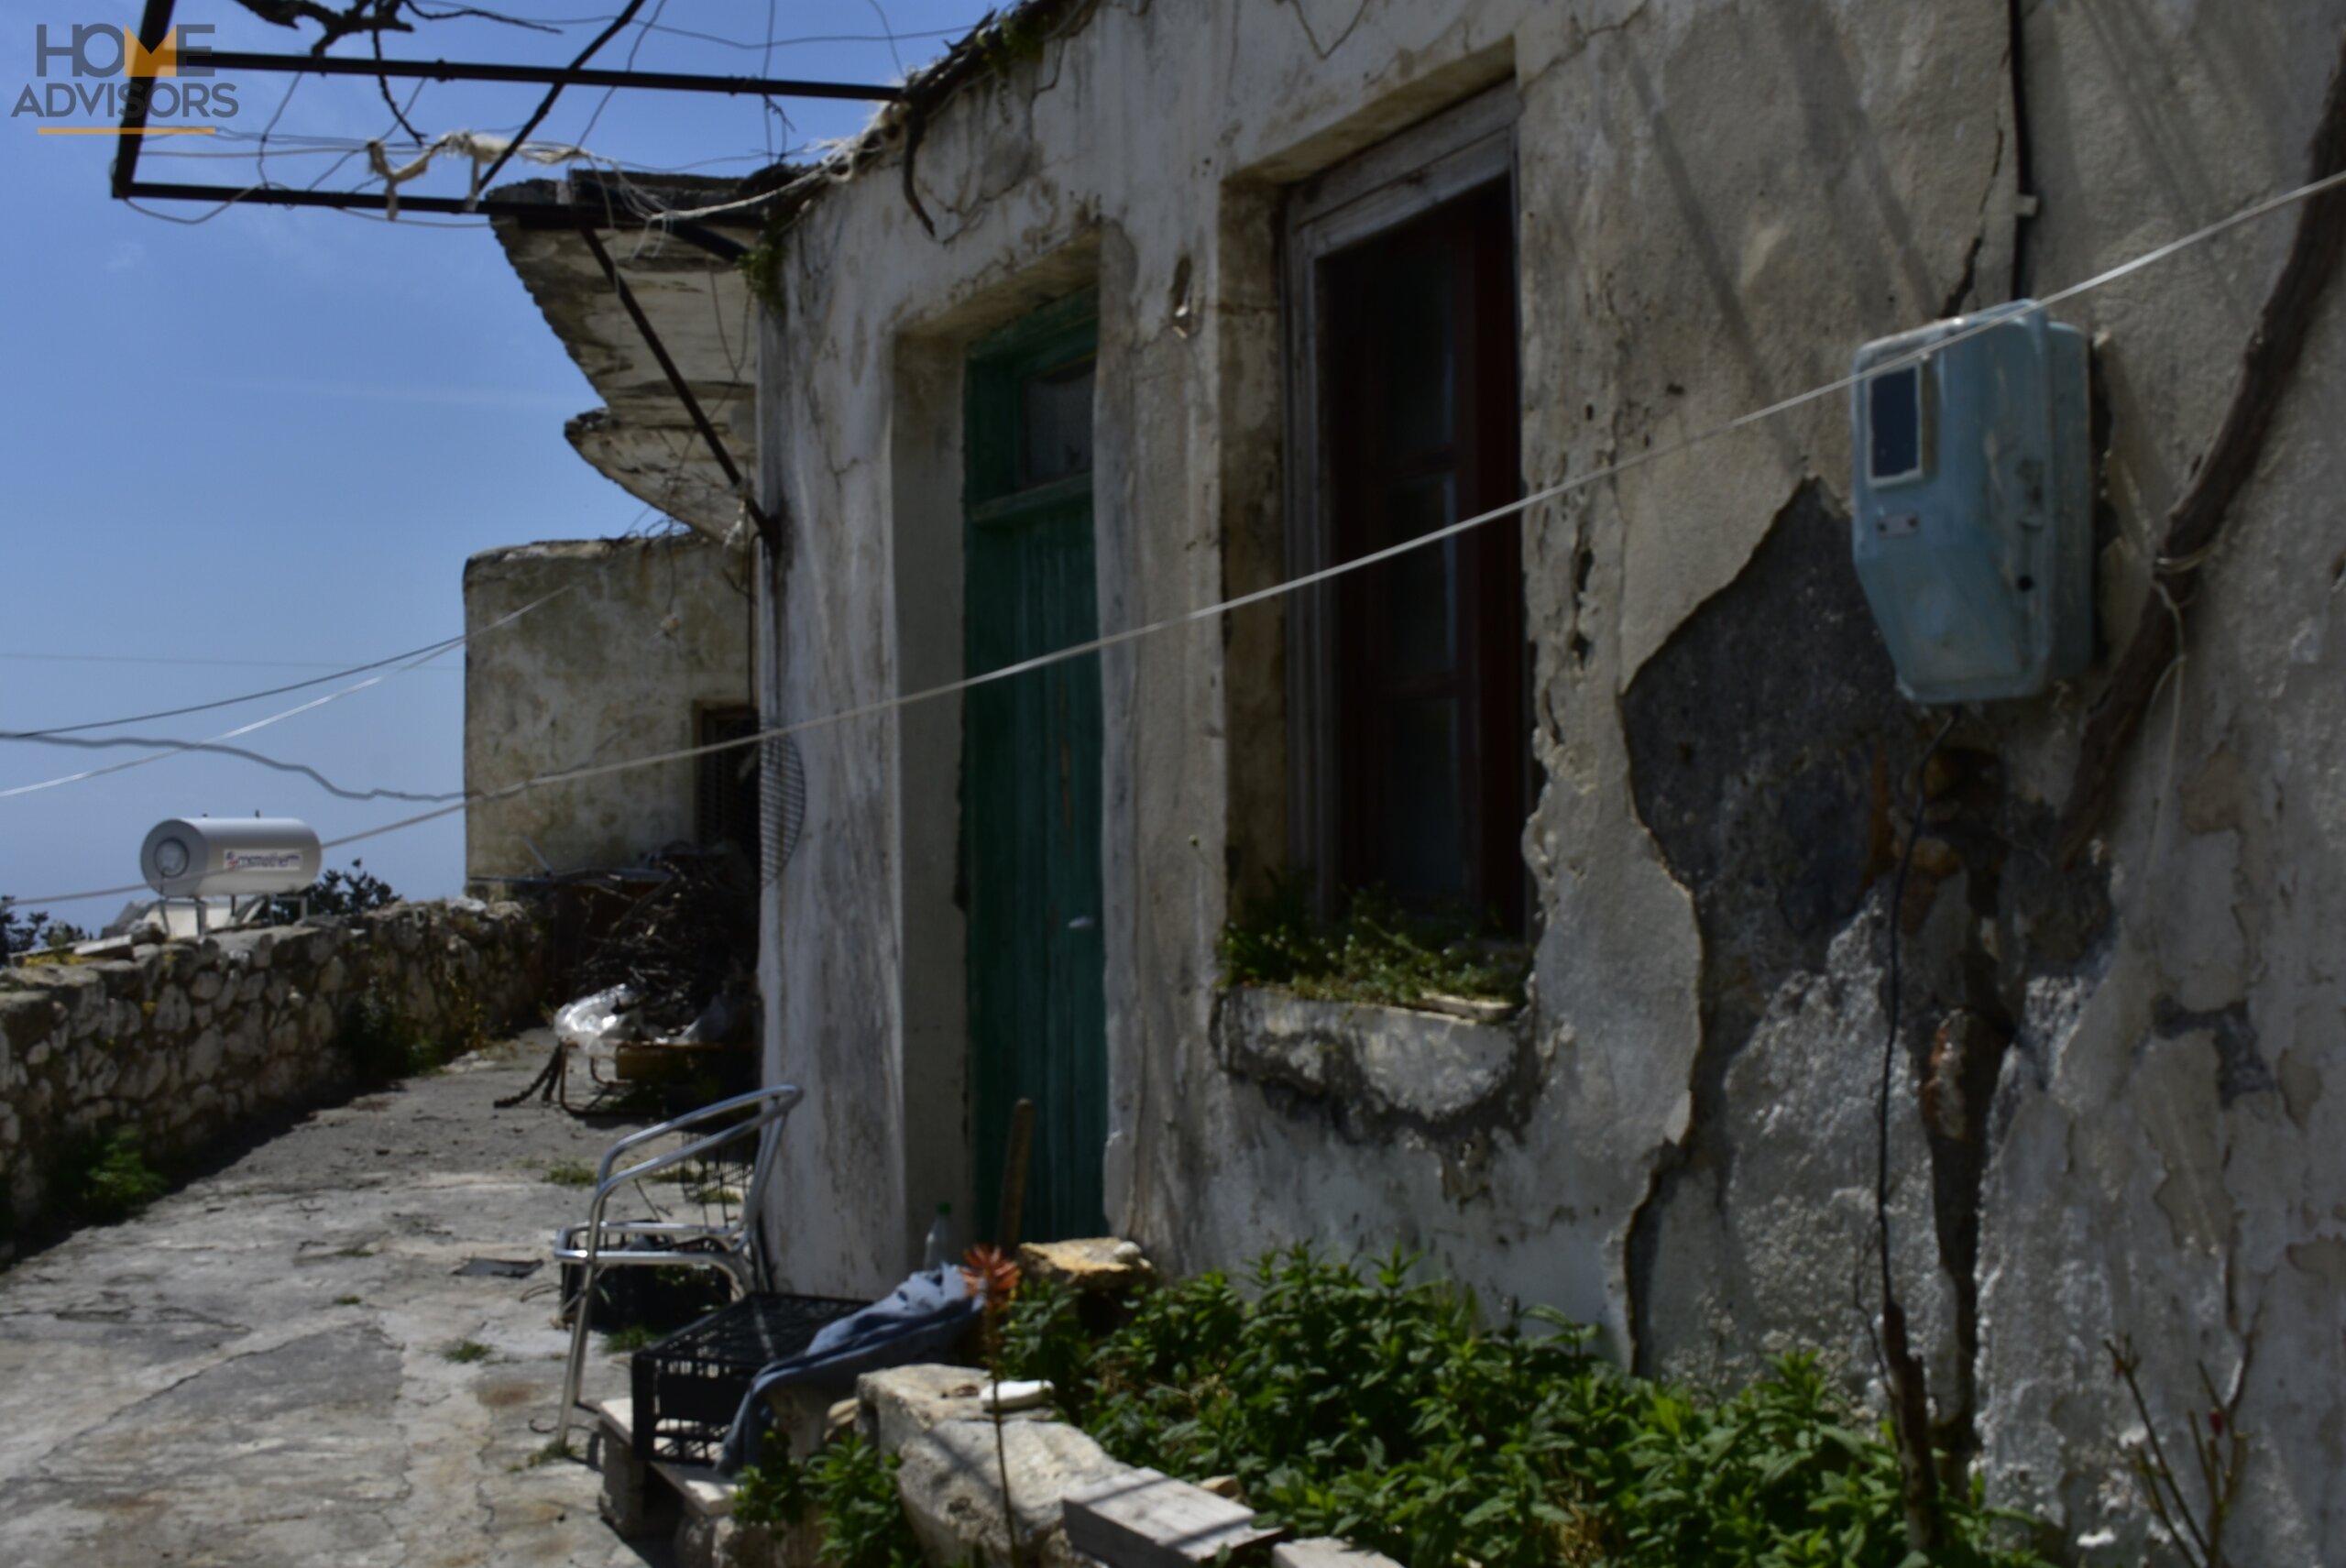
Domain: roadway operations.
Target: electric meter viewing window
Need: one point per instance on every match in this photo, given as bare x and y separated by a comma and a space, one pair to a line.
1973, 528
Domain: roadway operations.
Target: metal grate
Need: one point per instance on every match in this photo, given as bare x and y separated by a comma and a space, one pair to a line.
689, 1386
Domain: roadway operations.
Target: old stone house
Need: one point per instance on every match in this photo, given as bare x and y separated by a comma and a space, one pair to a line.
605, 649
1145, 306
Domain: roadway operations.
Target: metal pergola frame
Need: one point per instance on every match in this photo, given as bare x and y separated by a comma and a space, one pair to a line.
155, 24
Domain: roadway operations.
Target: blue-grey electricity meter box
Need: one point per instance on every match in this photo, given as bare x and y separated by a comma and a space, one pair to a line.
1973, 533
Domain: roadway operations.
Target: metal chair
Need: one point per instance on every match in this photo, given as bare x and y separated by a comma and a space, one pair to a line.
730, 1246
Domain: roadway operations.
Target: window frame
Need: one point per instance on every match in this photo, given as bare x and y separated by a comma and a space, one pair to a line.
716, 796
1461, 149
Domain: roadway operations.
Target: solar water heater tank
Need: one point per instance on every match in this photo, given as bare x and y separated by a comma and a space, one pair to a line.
240, 857
1973, 527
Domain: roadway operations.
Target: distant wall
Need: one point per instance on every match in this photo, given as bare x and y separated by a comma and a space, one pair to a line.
646, 634
187, 1041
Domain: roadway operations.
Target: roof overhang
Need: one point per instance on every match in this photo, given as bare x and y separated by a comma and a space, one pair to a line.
701, 310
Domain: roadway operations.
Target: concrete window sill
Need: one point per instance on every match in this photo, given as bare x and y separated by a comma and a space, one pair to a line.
1428, 1070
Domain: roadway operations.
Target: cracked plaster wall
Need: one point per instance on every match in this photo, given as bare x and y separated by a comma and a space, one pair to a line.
2128, 1127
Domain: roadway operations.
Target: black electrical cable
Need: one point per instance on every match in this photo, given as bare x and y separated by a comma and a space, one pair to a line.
440, 647
1897, 998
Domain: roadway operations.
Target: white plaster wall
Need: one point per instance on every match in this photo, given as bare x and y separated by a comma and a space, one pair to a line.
1718, 201
638, 636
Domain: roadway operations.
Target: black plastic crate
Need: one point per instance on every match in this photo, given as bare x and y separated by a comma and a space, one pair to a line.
689, 1386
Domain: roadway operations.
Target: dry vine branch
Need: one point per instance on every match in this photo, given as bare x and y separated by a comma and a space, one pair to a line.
1910, 1397
359, 16
376, 17
2218, 1454
2198, 515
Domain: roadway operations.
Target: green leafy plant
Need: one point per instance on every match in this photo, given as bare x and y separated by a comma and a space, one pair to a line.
569, 1173
382, 1042
465, 1352
1377, 1406
1376, 952
103, 1178
630, 1339
353, 891
854, 1487
34, 935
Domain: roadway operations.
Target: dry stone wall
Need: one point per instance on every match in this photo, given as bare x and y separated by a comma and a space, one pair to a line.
183, 1043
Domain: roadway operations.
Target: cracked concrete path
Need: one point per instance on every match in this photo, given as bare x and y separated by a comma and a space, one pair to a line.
258, 1371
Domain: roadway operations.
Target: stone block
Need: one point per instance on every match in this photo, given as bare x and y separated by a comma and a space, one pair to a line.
634, 1502
899, 1403
26, 1018
952, 1485
1325, 1551
1101, 1265
727, 1542
206, 986
204, 1055
1146, 1518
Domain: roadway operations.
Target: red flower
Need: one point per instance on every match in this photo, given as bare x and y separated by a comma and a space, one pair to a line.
991, 1272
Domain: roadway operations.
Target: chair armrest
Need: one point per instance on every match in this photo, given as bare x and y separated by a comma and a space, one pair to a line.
785, 1096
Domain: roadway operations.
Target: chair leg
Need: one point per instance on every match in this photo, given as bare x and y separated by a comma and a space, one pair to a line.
574, 1372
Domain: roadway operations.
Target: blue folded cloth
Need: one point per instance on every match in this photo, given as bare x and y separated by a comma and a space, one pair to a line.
916, 1322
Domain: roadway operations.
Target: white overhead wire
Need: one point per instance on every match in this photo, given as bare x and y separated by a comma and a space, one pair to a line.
1130, 634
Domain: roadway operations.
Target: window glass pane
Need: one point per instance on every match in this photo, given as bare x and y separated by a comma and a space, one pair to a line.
1894, 407
1055, 420
1425, 828
1421, 351
1421, 588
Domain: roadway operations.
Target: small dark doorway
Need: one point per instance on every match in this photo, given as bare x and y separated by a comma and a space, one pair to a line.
725, 786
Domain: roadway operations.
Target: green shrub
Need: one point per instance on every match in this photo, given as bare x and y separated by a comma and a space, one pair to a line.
103, 1178
1377, 1407
1376, 953
353, 892
853, 1484
381, 1043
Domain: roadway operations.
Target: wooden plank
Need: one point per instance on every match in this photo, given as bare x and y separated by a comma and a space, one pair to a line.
1145, 1519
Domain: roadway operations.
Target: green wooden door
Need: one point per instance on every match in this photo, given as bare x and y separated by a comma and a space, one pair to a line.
1030, 776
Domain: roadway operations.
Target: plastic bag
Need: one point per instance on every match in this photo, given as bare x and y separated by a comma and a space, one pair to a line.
598, 1022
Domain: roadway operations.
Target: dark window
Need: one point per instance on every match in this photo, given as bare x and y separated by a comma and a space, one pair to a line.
1419, 420
726, 788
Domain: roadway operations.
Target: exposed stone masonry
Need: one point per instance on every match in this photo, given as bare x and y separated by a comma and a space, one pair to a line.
184, 1042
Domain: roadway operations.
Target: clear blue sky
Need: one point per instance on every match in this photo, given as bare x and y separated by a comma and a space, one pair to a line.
234, 451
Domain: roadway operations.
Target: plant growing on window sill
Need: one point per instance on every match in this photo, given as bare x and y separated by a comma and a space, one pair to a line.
1376, 952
